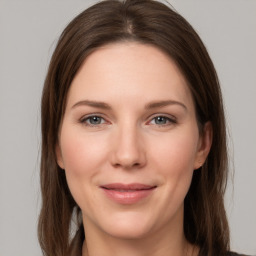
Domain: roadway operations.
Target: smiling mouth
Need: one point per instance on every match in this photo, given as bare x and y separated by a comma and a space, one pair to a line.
127, 193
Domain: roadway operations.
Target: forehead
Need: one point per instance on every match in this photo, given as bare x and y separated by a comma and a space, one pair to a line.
129, 70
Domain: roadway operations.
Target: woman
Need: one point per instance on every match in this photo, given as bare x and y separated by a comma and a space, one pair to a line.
134, 157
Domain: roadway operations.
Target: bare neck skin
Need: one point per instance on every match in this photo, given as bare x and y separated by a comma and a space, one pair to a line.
142, 248
137, 248
156, 244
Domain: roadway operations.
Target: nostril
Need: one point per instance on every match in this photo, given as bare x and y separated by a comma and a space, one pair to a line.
127, 157
127, 165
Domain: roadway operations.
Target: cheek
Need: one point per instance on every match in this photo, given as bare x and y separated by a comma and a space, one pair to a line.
176, 153
174, 160
82, 156
81, 153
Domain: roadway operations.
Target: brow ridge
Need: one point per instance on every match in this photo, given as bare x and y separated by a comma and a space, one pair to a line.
95, 104
150, 105
164, 103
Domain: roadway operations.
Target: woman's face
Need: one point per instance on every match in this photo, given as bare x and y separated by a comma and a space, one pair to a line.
129, 141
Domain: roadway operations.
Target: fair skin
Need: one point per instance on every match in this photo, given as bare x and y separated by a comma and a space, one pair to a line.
130, 118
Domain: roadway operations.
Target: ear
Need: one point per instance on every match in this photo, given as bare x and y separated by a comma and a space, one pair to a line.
59, 156
204, 145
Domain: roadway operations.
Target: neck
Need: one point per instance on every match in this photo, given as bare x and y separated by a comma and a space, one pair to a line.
158, 244
167, 239
128, 249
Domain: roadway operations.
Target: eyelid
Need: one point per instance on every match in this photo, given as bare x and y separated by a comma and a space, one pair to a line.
86, 117
172, 119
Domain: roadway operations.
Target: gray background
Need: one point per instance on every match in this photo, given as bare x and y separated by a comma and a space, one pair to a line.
28, 33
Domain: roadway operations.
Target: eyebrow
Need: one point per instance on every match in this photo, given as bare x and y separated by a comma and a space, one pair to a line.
95, 104
164, 103
150, 105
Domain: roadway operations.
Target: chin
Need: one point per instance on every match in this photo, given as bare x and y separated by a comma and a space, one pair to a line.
128, 233
128, 227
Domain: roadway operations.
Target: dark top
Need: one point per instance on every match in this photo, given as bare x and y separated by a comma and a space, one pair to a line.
235, 254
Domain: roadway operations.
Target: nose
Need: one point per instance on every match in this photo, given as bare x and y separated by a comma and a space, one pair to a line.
128, 149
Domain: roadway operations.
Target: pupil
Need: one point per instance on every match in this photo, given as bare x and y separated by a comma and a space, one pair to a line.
95, 120
160, 120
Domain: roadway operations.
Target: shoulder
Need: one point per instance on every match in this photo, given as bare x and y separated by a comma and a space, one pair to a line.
235, 254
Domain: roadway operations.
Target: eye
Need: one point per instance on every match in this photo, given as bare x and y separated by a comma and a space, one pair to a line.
93, 120
162, 120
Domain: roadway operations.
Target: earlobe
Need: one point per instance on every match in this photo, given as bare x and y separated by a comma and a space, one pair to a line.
204, 145
59, 158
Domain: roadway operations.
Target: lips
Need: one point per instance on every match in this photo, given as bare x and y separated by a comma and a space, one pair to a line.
127, 193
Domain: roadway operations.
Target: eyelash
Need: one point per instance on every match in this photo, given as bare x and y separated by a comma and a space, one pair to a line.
86, 118
168, 120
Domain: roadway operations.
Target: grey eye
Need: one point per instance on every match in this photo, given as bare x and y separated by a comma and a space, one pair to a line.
161, 120
94, 120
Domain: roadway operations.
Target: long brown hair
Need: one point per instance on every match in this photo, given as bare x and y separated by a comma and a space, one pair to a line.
147, 22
